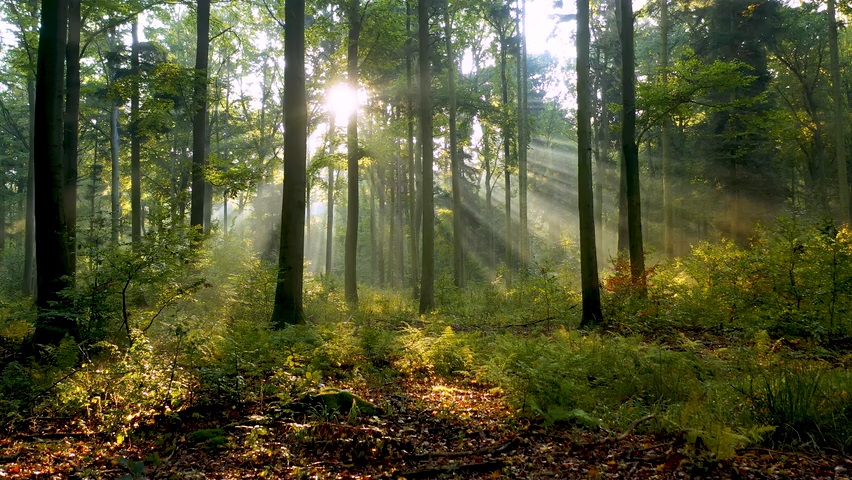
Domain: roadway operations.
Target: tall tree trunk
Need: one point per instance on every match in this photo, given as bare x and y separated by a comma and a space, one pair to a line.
588, 255
840, 125
135, 169
631, 149
197, 214
603, 156
54, 265
29, 281
71, 127
115, 192
523, 141
350, 279
668, 200
507, 156
413, 197
427, 284
455, 161
329, 223
288, 307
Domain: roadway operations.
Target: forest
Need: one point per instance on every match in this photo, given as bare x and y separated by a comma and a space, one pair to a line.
425, 239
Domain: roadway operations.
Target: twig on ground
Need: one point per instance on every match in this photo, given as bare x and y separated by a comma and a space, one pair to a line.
453, 469
498, 449
635, 424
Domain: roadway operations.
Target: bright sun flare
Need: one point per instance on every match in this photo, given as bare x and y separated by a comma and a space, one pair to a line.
342, 101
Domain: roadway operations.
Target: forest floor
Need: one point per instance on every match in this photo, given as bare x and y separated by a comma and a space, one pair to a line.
430, 428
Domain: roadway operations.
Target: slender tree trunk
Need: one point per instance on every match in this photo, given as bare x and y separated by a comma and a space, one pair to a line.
455, 161
329, 222
54, 264
352, 158
603, 157
523, 141
115, 184
414, 197
29, 283
588, 255
507, 156
135, 169
427, 284
197, 214
288, 307
840, 125
71, 127
668, 199
631, 149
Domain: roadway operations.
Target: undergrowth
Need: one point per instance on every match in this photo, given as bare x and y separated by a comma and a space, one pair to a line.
730, 346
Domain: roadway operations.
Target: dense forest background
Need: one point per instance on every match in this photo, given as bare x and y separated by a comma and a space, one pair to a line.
245, 203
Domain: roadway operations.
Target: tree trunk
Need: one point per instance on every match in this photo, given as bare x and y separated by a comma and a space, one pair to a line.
288, 307
329, 223
197, 212
523, 140
29, 281
588, 255
352, 157
54, 265
507, 155
413, 197
631, 149
135, 171
603, 156
427, 284
840, 125
455, 161
668, 199
71, 127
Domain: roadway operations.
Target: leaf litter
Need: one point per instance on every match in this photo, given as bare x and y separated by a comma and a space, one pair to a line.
430, 428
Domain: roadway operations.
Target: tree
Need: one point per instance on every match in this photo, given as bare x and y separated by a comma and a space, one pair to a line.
458, 232
199, 117
71, 125
135, 147
54, 263
629, 145
665, 134
353, 155
588, 253
840, 125
288, 308
427, 283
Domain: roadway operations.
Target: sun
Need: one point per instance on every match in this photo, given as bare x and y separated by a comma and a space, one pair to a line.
342, 101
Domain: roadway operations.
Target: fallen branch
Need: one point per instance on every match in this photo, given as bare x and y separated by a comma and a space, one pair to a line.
52, 436
635, 424
453, 469
494, 450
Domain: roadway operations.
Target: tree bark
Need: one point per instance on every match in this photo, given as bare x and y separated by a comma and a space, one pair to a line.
523, 141
350, 279
71, 124
197, 212
29, 281
54, 266
588, 255
427, 284
455, 161
329, 223
135, 169
413, 197
631, 149
288, 307
668, 199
